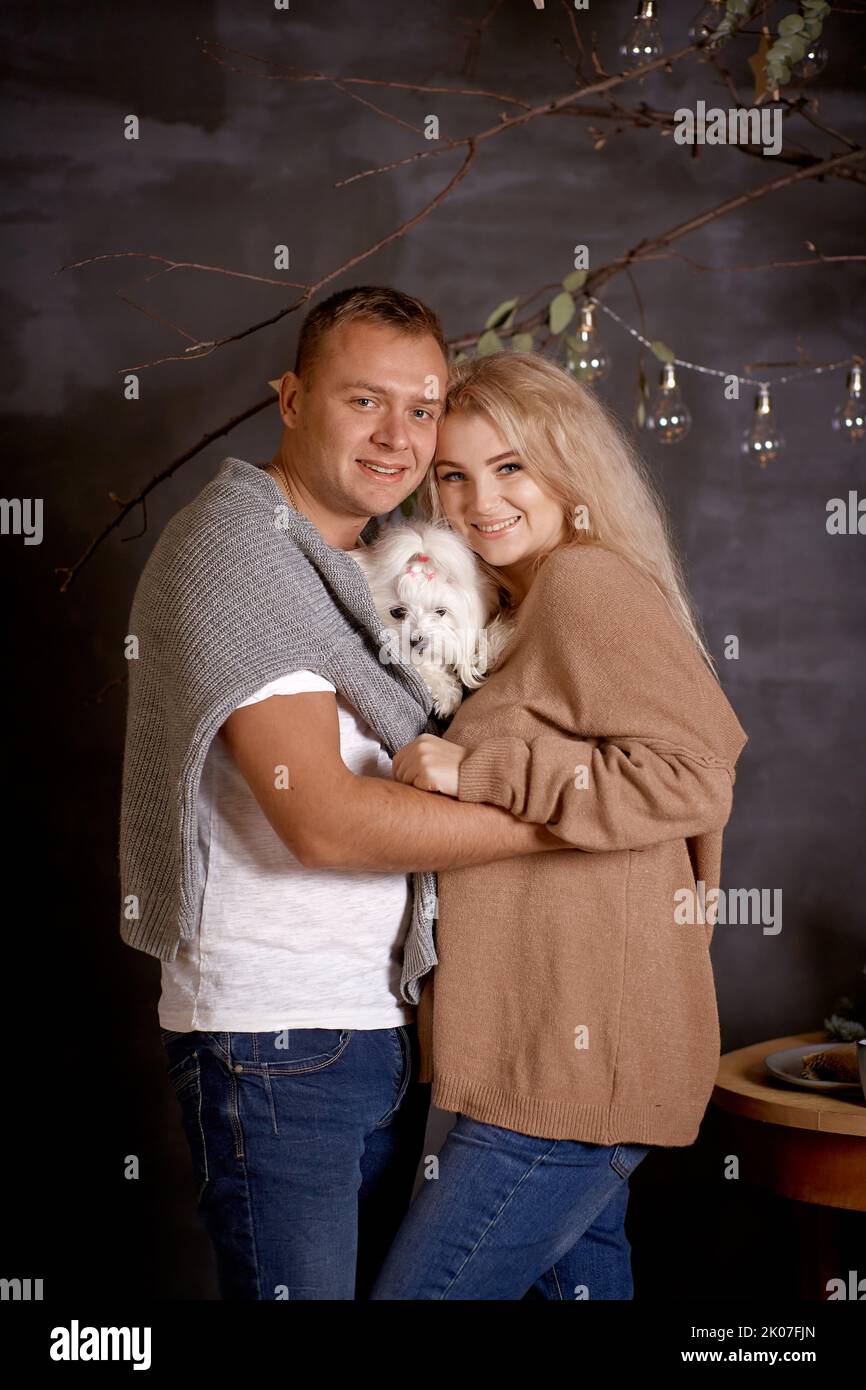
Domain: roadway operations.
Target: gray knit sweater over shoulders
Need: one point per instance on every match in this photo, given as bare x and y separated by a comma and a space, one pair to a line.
238, 590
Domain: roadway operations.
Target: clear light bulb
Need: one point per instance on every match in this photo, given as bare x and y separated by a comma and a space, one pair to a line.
764, 441
669, 417
707, 20
813, 62
643, 42
850, 417
583, 356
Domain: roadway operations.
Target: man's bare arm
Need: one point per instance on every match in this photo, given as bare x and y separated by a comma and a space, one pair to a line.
330, 818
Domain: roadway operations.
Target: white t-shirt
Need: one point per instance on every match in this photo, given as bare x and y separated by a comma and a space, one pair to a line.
280, 945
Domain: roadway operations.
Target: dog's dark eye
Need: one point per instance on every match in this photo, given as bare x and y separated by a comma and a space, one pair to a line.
399, 613
441, 612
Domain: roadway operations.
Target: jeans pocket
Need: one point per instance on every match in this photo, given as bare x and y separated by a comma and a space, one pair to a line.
185, 1078
404, 1057
290, 1052
626, 1157
177, 1049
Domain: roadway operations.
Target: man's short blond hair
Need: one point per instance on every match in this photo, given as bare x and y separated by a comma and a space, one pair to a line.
368, 304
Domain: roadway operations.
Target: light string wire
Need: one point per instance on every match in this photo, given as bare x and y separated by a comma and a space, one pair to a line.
713, 371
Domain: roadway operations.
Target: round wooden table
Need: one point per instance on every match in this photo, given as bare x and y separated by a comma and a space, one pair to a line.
807, 1145
804, 1145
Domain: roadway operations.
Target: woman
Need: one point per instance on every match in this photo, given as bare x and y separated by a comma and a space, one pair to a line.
571, 1021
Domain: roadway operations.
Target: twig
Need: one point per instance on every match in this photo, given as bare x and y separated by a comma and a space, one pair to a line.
292, 75
158, 318
380, 111
310, 290
818, 259
169, 265
644, 249
140, 499
547, 108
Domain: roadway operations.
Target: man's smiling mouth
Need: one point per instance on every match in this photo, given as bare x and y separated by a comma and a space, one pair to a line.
381, 470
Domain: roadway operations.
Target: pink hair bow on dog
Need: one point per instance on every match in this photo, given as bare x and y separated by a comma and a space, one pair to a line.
420, 565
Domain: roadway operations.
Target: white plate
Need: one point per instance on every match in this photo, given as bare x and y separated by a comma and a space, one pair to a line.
787, 1066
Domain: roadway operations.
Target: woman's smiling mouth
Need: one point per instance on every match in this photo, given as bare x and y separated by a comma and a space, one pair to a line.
497, 528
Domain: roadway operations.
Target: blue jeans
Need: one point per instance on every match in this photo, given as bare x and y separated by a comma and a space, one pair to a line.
304, 1156
304, 1159
512, 1217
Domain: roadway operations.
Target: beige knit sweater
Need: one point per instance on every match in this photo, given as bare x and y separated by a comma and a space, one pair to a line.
568, 1003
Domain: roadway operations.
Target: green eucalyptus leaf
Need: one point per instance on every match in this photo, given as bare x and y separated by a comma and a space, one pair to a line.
575, 280
641, 414
461, 357
791, 24
799, 47
522, 342
499, 316
562, 310
488, 343
662, 351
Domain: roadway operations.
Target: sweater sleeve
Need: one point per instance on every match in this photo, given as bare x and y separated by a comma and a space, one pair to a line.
640, 742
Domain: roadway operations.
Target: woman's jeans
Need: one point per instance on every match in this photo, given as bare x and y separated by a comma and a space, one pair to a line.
509, 1211
305, 1145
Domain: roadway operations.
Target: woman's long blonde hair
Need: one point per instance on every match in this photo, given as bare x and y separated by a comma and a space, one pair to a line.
579, 453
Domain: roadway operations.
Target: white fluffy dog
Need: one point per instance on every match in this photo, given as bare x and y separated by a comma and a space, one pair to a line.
437, 606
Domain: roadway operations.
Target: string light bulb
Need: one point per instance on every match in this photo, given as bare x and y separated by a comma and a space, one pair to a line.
849, 419
643, 42
764, 440
584, 358
669, 417
707, 20
813, 62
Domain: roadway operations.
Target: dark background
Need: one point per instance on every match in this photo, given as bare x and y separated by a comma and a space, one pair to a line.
227, 166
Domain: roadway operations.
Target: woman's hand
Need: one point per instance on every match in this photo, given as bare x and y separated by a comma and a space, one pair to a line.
429, 763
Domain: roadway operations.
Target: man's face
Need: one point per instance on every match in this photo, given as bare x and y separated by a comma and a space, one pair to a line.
364, 419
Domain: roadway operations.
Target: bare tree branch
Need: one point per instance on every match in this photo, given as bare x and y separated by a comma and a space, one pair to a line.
294, 75
169, 265
205, 349
547, 108
140, 499
644, 249
648, 249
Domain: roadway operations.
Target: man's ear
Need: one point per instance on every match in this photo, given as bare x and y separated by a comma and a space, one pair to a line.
290, 392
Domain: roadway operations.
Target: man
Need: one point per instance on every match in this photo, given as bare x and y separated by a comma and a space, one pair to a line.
264, 845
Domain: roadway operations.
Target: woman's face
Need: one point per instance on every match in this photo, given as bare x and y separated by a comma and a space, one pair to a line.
489, 496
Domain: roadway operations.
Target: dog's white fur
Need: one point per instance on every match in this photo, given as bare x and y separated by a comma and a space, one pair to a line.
438, 607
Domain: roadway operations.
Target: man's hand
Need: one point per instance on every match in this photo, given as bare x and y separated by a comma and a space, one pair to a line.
429, 763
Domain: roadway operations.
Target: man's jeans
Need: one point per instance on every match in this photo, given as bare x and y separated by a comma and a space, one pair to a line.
305, 1157
515, 1217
